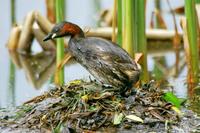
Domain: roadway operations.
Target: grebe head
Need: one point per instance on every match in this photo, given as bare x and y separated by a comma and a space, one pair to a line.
65, 29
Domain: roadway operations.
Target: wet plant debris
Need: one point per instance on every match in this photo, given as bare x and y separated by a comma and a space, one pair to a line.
86, 106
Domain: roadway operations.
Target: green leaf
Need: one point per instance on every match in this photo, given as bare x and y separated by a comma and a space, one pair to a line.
118, 118
171, 98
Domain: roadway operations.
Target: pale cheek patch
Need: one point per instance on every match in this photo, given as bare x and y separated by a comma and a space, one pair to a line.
53, 36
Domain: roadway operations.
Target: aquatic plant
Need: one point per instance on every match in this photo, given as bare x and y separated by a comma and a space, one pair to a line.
60, 42
114, 21
131, 30
12, 70
127, 35
119, 22
192, 31
140, 42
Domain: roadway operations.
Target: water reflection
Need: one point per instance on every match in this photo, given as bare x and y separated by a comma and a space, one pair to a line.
38, 67
162, 67
11, 85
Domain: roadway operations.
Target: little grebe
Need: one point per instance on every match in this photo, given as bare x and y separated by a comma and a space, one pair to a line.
105, 60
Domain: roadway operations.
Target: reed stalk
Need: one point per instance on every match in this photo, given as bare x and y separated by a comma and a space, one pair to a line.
197, 1
140, 40
11, 84
176, 41
13, 16
114, 21
119, 22
192, 30
97, 5
50, 10
97, 8
60, 42
128, 27
12, 73
157, 9
63, 9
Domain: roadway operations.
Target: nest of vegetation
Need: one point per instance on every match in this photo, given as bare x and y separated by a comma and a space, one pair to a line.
86, 106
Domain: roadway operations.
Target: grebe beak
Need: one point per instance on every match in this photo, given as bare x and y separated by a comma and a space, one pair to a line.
49, 36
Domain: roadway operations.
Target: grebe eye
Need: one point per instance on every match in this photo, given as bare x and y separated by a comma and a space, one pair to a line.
56, 30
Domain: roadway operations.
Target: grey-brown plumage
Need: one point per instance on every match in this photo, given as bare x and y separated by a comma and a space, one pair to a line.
106, 61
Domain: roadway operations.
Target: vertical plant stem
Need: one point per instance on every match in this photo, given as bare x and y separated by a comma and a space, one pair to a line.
135, 28
97, 4
63, 9
11, 84
50, 10
176, 40
192, 27
123, 23
197, 1
128, 27
11, 81
140, 36
114, 21
13, 17
157, 9
60, 42
119, 22
97, 8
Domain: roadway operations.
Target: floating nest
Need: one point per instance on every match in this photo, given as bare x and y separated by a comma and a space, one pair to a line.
86, 106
